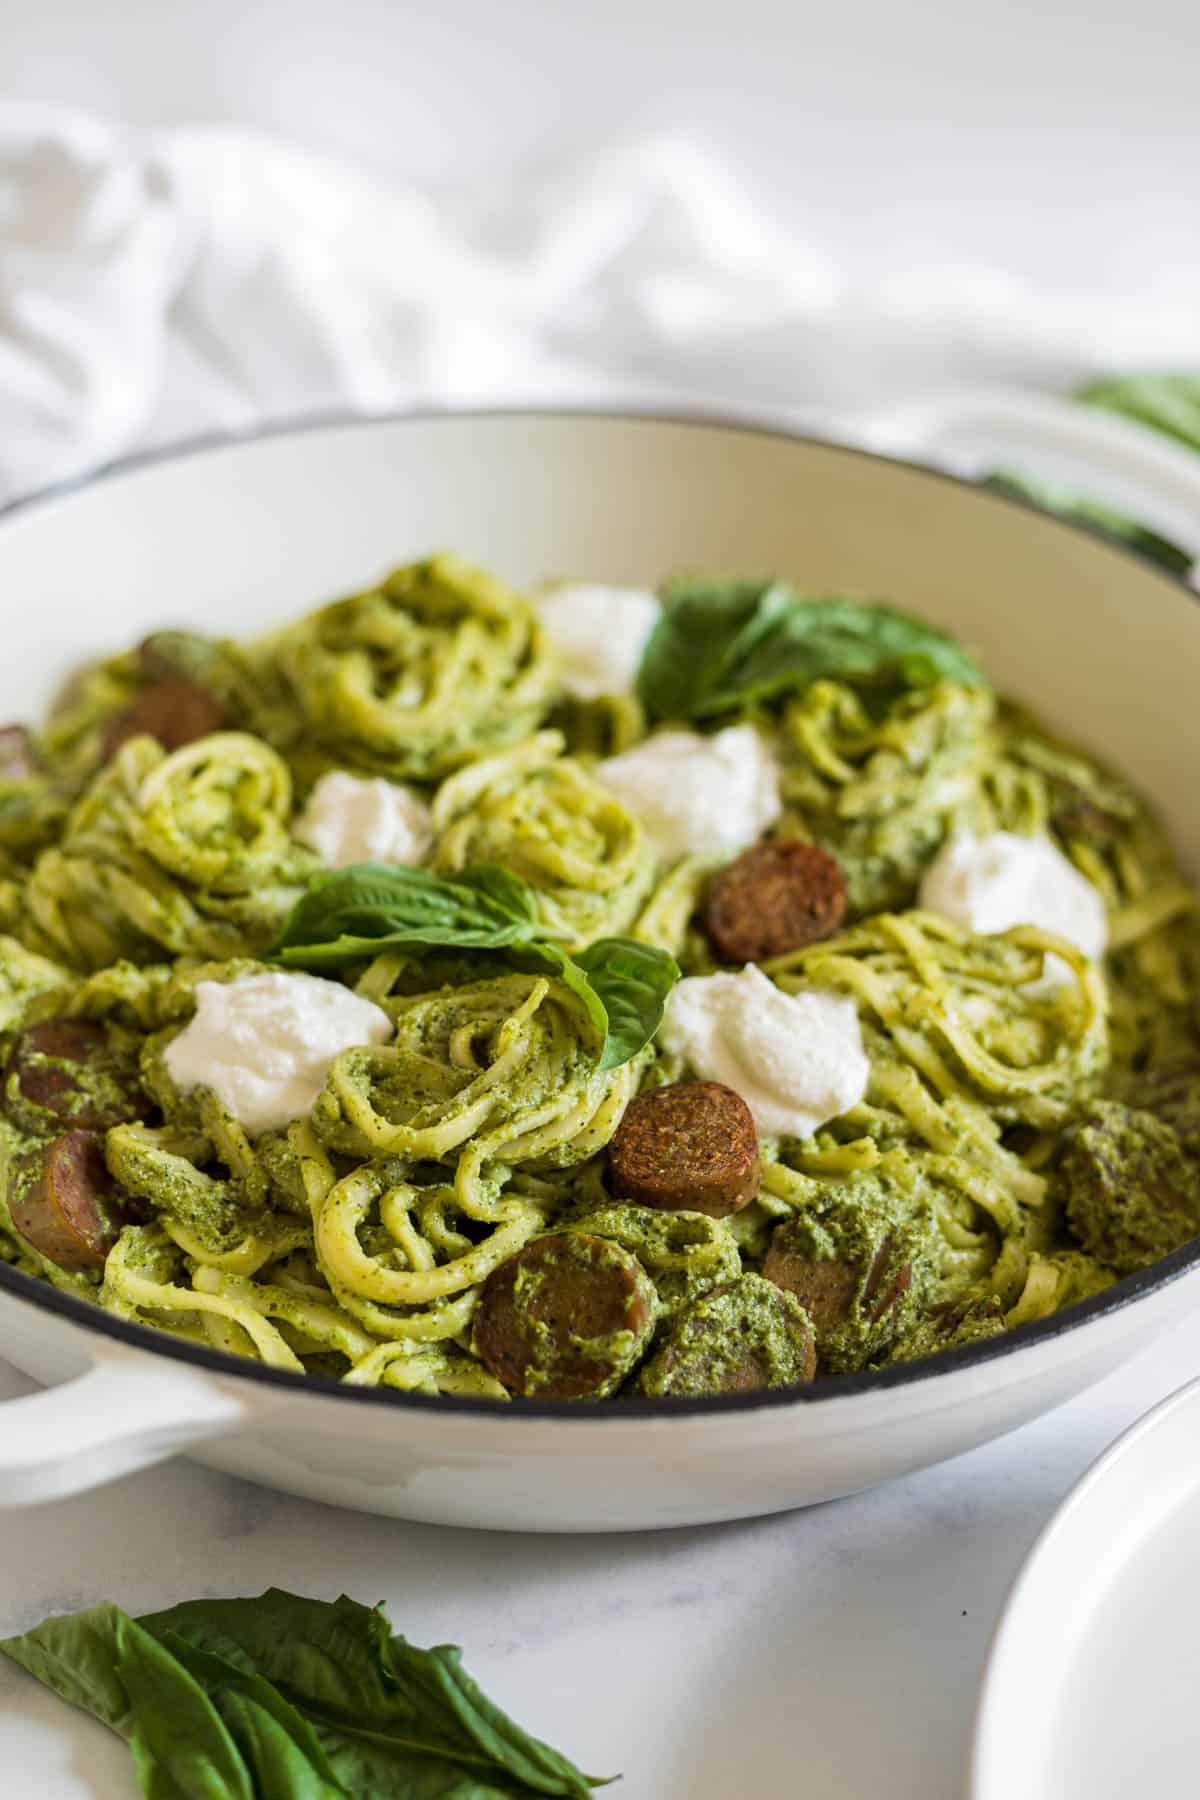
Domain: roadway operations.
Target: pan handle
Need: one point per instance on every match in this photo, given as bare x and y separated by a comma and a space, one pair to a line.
124, 1413
1109, 458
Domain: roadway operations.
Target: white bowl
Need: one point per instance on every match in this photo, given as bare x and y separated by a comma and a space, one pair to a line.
1090, 1692
233, 536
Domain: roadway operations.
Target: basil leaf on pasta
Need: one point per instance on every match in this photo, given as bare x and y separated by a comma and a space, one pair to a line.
369, 907
632, 981
622, 984
728, 644
556, 962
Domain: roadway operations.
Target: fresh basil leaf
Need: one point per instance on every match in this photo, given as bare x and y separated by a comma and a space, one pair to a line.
290, 1698
508, 892
556, 962
632, 981
1166, 403
75, 1655
623, 984
686, 654
393, 1720
724, 645
1083, 511
181, 1748
279, 1765
369, 907
274, 1738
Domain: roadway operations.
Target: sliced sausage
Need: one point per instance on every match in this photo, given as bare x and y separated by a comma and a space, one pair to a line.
829, 1290
855, 1298
566, 1318
173, 710
690, 1146
72, 1070
1172, 1093
774, 898
740, 1337
825, 1290
185, 653
1131, 1193
64, 1201
17, 759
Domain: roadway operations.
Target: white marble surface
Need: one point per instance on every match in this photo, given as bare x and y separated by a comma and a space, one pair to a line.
828, 1655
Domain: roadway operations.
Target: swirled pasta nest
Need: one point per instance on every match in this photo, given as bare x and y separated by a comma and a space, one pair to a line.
438, 664
188, 853
880, 788
978, 1018
540, 814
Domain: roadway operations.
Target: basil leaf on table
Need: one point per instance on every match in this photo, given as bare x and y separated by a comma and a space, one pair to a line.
293, 1698
1077, 507
365, 909
181, 1747
274, 1738
721, 645
359, 911
1166, 403
378, 1704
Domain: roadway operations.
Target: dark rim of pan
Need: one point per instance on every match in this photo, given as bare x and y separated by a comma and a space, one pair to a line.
32, 1292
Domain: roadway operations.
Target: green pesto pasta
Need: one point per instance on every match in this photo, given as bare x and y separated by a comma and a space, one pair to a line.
363, 1228
419, 675
539, 813
189, 853
881, 789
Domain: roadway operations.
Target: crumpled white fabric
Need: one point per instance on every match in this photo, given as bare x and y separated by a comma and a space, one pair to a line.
158, 285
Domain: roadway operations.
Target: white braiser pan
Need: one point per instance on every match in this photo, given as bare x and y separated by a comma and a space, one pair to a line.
230, 537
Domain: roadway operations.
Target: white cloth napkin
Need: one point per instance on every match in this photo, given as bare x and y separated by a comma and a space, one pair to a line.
154, 286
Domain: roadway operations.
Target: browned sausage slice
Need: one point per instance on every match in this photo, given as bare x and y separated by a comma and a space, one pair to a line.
174, 710
691, 1146
64, 1201
17, 759
566, 1318
774, 898
828, 1290
825, 1290
858, 1298
70, 1069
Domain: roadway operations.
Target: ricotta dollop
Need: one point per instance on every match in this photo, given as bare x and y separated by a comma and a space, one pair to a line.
599, 634
987, 884
698, 796
797, 1060
350, 819
264, 1043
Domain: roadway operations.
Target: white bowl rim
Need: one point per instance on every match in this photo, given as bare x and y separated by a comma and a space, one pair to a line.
31, 1291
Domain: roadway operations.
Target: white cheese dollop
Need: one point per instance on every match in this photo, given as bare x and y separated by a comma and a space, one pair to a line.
698, 796
987, 884
797, 1060
264, 1043
599, 634
351, 820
